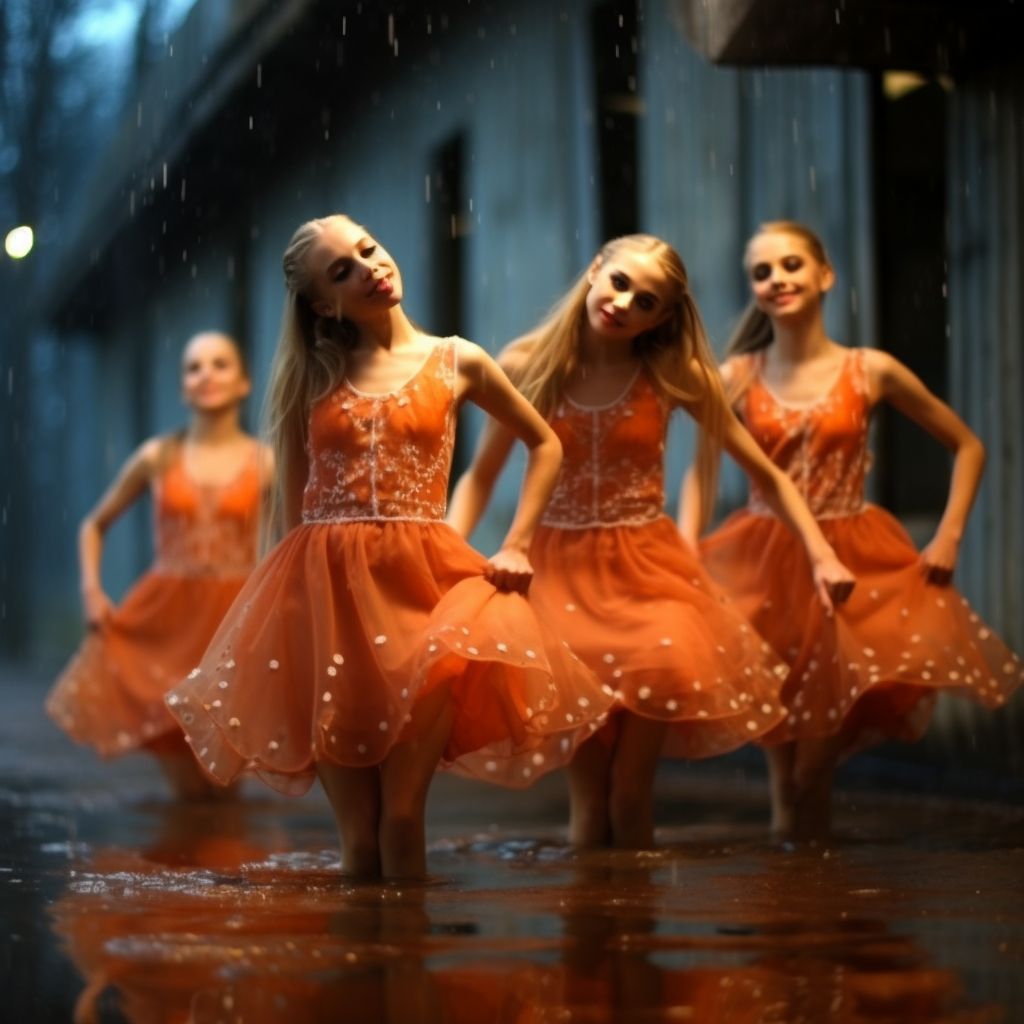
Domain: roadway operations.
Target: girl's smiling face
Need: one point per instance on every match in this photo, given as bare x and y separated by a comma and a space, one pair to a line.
352, 275
786, 277
212, 374
629, 294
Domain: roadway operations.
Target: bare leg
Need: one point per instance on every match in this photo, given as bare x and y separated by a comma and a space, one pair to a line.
814, 770
782, 785
405, 778
188, 782
86, 1011
631, 792
354, 795
588, 774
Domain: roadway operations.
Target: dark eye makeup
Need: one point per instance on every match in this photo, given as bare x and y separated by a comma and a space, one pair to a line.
762, 271
621, 282
343, 266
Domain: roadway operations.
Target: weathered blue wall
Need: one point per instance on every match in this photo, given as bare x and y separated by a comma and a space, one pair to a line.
986, 304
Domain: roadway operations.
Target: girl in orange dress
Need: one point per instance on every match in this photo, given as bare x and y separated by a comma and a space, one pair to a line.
867, 672
206, 483
373, 642
620, 352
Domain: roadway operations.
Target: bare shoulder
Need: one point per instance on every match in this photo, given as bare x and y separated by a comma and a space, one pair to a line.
472, 358
512, 359
730, 368
266, 463
699, 367
154, 455
469, 351
879, 362
140, 469
710, 373
884, 370
516, 354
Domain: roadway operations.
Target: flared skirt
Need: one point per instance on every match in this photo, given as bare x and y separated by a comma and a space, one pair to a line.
635, 604
871, 670
341, 634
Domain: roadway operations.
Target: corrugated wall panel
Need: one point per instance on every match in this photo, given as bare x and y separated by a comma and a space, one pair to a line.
986, 305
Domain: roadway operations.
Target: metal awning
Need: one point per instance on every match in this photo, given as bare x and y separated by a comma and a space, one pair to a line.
942, 36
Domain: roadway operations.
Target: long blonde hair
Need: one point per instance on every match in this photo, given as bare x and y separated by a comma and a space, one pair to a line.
308, 363
676, 354
754, 330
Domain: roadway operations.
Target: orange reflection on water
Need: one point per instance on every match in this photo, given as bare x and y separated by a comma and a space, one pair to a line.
204, 926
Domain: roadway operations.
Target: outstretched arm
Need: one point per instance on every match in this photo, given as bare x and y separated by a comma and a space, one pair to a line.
690, 514
127, 487
691, 499
485, 384
892, 382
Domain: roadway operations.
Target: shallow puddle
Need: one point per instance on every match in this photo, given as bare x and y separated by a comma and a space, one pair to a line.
119, 907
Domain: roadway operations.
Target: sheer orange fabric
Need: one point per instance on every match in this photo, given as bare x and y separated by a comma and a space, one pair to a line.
372, 603
111, 694
631, 599
872, 669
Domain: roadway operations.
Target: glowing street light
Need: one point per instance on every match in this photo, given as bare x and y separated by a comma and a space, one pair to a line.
19, 242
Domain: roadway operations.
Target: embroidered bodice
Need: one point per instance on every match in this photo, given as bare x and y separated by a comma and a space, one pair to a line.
385, 456
821, 445
206, 529
613, 460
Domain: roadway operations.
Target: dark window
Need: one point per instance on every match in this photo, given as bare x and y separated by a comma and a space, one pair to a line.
614, 33
912, 469
449, 223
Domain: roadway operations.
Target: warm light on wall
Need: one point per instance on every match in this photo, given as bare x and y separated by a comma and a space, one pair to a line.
896, 84
19, 242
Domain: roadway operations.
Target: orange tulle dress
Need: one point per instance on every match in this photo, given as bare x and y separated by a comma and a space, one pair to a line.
617, 581
370, 604
872, 669
111, 694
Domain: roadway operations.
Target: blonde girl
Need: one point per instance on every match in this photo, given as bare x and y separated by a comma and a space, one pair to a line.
622, 350
373, 643
870, 671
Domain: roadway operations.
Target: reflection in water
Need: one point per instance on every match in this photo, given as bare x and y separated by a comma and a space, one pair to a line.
204, 926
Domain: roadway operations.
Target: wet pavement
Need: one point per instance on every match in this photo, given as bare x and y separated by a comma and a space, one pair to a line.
117, 906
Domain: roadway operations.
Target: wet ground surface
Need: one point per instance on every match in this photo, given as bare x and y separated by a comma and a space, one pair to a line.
116, 906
